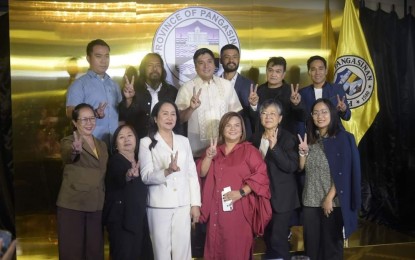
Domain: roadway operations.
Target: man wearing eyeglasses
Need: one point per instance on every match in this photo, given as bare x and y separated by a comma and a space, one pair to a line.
320, 88
97, 89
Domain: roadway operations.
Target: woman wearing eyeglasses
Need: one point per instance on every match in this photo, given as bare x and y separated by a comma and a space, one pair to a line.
332, 194
278, 147
81, 196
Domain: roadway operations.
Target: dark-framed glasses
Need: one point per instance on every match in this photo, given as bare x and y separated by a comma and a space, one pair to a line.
86, 120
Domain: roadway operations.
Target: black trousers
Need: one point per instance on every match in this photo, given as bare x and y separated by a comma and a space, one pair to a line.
323, 236
126, 245
276, 236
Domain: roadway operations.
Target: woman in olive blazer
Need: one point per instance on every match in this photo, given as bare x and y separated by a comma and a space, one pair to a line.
81, 196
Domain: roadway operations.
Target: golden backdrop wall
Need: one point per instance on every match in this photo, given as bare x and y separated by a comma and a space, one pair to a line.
48, 41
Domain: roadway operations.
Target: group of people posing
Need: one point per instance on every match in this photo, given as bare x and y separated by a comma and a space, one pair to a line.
150, 160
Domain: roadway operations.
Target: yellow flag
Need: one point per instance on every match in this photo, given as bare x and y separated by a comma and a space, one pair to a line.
328, 42
355, 71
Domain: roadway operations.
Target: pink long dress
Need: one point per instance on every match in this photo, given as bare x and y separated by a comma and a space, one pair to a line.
229, 235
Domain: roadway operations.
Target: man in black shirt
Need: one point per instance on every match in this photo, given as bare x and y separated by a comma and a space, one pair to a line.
150, 87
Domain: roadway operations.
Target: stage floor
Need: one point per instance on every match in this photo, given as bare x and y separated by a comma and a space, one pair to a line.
37, 240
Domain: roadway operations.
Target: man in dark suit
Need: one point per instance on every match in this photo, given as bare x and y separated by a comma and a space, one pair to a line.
320, 88
150, 87
229, 58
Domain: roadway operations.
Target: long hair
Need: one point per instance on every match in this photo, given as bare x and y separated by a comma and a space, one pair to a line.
117, 132
224, 120
334, 126
142, 78
153, 127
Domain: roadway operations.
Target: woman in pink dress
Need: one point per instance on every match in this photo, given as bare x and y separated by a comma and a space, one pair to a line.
235, 182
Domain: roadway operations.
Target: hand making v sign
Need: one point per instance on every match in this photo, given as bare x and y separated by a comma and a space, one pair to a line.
295, 96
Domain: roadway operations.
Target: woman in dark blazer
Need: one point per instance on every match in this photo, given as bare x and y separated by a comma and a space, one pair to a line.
332, 194
125, 198
81, 196
279, 150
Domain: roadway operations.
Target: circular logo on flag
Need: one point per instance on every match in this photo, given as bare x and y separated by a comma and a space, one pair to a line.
184, 32
357, 78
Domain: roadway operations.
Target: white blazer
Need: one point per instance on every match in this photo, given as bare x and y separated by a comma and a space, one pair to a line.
177, 189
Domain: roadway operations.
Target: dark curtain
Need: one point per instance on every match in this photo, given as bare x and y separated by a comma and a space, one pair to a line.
388, 148
6, 152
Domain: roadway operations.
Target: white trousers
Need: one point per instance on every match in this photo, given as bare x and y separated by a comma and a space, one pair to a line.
170, 232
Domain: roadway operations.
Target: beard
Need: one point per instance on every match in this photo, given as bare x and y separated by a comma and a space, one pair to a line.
154, 80
228, 68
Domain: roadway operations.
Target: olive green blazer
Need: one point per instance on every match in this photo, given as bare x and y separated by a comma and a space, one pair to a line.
83, 186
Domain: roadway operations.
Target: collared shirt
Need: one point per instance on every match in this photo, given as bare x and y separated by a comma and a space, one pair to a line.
94, 89
217, 98
154, 95
232, 80
177, 189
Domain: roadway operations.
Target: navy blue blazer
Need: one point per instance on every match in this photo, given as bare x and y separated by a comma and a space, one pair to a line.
344, 163
242, 88
330, 91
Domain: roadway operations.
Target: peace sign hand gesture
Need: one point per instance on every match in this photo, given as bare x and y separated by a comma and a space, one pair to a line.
173, 167
253, 96
195, 101
341, 105
303, 146
134, 171
295, 96
272, 139
76, 144
128, 90
100, 111
211, 151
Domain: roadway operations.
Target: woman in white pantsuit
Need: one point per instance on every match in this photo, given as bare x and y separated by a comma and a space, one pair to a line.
168, 168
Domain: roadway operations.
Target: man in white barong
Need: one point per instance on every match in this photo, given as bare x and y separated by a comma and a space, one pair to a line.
203, 100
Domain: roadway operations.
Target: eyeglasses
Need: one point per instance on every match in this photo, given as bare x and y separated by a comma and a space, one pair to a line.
323, 112
85, 120
271, 114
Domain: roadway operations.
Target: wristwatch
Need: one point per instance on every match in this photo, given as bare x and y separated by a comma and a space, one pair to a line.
242, 192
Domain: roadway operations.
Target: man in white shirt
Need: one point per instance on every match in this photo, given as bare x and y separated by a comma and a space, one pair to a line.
203, 100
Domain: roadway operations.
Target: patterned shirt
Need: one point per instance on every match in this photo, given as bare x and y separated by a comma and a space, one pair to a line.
317, 177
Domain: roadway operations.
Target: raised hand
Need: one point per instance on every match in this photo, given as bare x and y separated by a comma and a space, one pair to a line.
173, 167
253, 96
134, 171
128, 90
303, 146
272, 139
195, 100
77, 143
295, 96
211, 151
341, 105
101, 110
